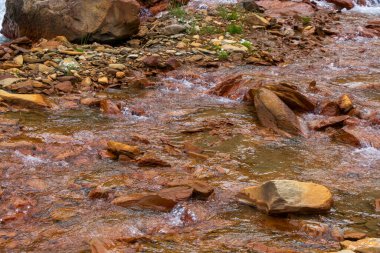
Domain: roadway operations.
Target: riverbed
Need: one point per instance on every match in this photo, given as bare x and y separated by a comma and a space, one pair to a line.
52, 162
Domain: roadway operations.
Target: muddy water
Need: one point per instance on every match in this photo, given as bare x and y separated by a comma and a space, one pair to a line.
53, 163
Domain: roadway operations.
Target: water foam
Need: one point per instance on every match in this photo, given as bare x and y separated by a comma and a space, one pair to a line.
2, 12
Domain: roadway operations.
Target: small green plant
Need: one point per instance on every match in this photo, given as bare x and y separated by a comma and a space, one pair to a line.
247, 44
223, 55
178, 12
306, 20
226, 14
84, 40
209, 29
193, 28
234, 29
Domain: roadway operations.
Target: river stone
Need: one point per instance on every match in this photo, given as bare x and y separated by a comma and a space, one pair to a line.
25, 99
78, 20
274, 113
119, 148
358, 136
288, 196
277, 8
163, 200
68, 64
292, 98
367, 245
173, 29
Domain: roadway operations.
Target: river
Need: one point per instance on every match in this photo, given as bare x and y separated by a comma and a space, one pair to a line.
57, 162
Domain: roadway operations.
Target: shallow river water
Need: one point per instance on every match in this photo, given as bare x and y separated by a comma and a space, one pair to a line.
54, 163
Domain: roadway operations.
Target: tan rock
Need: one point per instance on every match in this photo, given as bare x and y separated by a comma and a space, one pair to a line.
117, 66
255, 19
292, 98
86, 81
33, 99
181, 45
103, 80
123, 149
19, 60
120, 75
367, 245
288, 196
275, 114
235, 48
353, 235
195, 44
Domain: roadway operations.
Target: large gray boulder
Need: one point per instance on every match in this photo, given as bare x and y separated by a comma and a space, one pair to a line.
78, 20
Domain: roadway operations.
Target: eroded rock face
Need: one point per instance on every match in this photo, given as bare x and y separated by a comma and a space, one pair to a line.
81, 20
288, 196
274, 113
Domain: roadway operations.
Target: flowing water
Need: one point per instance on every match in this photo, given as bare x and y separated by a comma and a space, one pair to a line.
2, 12
52, 163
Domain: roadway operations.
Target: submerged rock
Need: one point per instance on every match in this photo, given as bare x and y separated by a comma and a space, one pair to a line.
201, 189
330, 121
358, 136
83, 20
109, 107
275, 114
166, 199
163, 200
288, 196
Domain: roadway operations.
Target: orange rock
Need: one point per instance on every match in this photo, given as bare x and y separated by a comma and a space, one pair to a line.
288, 196
27, 99
109, 107
123, 149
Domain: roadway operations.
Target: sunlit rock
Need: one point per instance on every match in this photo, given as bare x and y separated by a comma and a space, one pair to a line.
25, 99
275, 114
288, 196
367, 245
123, 149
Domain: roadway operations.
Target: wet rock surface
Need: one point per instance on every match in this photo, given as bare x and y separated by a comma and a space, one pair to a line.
287, 196
147, 144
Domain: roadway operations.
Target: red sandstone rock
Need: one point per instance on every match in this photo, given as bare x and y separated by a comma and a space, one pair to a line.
348, 4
